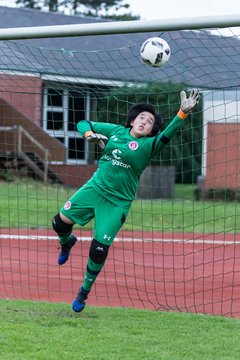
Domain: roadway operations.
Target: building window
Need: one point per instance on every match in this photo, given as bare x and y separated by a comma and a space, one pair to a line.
55, 97
76, 109
63, 109
55, 120
76, 148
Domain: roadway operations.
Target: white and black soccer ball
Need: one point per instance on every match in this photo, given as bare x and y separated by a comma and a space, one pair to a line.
155, 51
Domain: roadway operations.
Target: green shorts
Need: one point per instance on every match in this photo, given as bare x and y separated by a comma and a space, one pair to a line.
87, 204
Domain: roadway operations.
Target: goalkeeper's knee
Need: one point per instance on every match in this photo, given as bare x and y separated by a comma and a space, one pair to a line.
98, 252
60, 227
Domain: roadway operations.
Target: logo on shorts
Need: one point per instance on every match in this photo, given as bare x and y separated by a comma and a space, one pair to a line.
67, 205
133, 145
106, 237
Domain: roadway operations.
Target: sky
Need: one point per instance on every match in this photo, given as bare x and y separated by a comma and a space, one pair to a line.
167, 9
170, 9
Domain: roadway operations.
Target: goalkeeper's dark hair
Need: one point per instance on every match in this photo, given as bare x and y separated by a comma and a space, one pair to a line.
137, 109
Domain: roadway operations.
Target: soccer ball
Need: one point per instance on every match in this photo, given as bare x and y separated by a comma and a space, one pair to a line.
155, 51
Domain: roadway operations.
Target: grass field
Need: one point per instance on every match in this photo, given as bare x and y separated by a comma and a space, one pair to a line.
46, 331
32, 204
51, 331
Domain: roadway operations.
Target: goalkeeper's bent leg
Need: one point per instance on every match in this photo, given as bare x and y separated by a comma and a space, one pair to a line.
62, 228
67, 239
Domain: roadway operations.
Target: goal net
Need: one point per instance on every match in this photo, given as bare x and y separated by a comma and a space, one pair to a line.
179, 247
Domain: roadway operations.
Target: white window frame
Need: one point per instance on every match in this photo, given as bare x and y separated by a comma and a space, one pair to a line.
64, 133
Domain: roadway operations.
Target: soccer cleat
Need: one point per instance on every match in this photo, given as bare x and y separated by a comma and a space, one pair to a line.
80, 301
66, 248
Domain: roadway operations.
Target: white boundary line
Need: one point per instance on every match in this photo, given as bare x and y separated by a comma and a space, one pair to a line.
126, 239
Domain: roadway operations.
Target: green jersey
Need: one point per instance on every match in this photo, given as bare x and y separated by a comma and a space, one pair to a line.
124, 158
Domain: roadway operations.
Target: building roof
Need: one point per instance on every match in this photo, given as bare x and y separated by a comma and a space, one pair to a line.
199, 58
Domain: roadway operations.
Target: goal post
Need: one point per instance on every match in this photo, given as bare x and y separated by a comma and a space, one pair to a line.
120, 27
179, 247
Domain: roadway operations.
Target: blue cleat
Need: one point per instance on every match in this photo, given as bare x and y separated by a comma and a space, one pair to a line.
80, 301
66, 248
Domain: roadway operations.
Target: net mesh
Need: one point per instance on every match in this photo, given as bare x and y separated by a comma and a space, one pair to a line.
179, 248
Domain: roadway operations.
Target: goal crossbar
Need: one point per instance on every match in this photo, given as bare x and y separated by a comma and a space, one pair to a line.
119, 27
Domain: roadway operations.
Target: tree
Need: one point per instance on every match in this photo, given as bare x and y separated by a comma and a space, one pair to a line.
51, 5
31, 4
110, 9
98, 7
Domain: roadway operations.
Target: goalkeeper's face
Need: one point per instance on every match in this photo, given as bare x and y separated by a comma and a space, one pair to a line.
143, 124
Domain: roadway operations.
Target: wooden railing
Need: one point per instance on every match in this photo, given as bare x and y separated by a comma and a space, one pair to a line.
23, 143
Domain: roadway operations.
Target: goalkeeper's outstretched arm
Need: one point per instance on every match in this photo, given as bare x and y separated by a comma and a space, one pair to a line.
186, 106
97, 132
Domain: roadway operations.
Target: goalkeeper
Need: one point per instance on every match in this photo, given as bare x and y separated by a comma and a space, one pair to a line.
108, 195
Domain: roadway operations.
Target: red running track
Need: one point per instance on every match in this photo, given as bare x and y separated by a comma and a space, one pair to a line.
179, 271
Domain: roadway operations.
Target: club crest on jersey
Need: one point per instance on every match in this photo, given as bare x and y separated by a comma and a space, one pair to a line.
133, 145
67, 205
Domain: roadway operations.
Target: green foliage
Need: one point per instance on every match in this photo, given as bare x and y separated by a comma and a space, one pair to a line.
95, 8
31, 4
52, 5
48, 331
218, 194
185, 149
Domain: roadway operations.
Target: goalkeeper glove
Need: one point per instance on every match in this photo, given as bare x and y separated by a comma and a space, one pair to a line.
188, 104
96, 138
